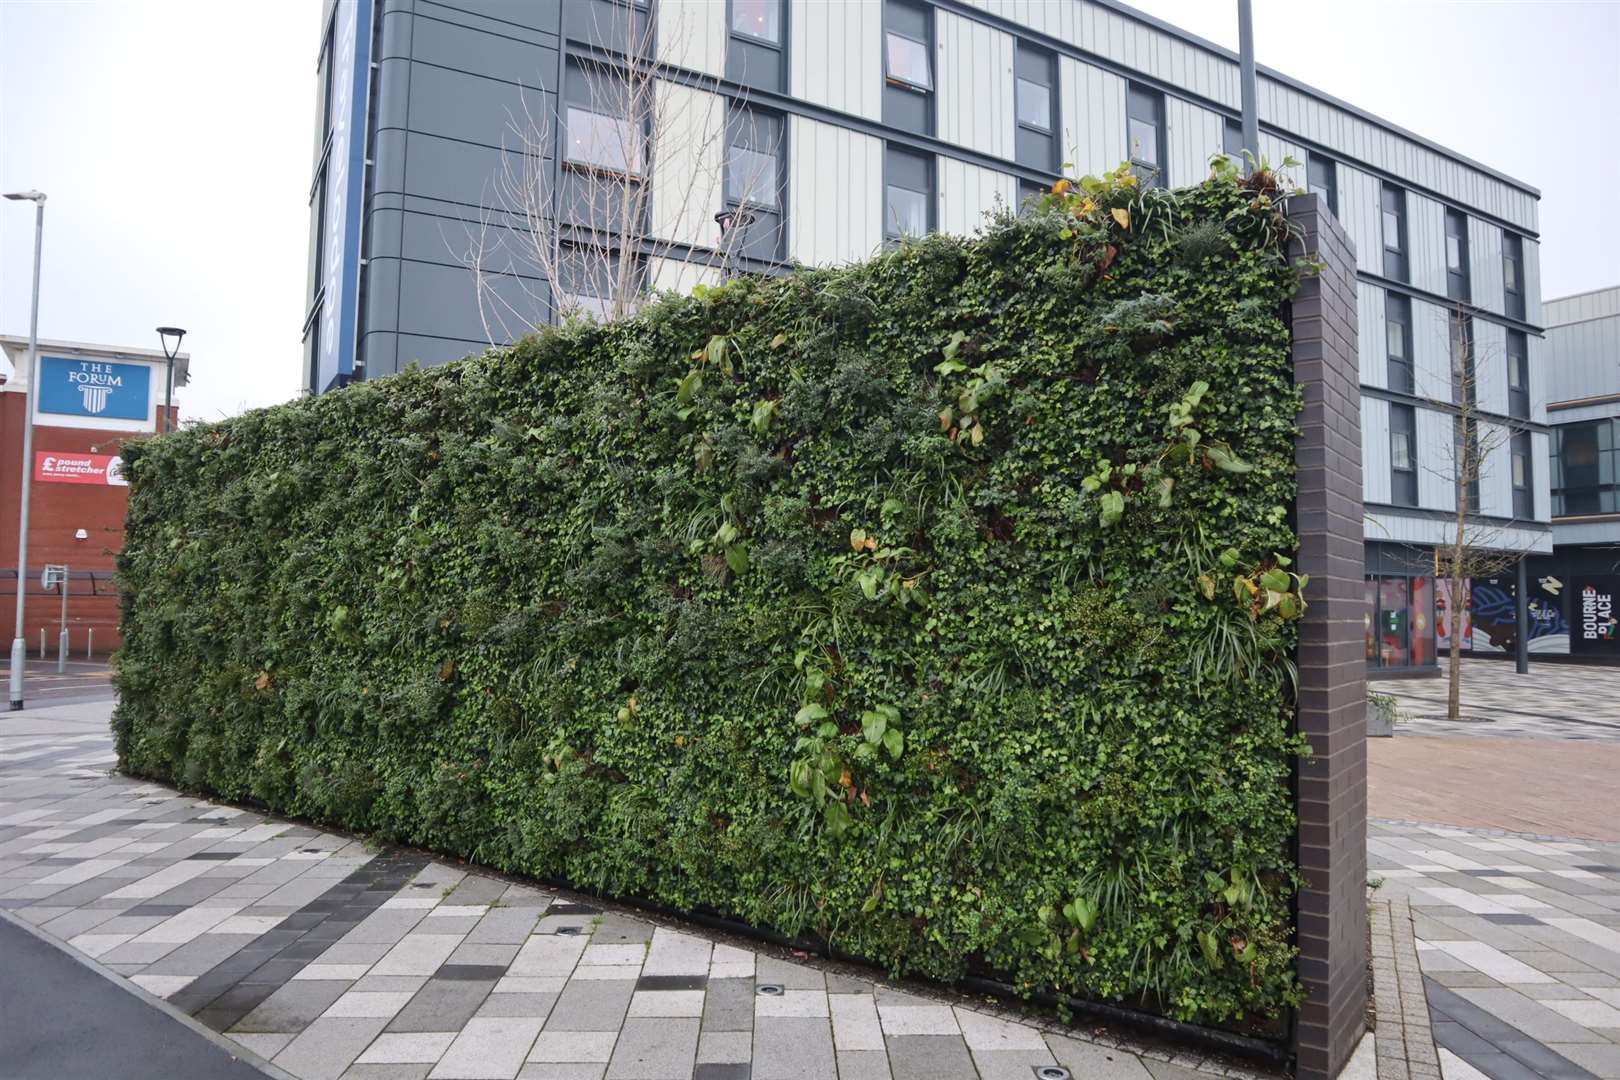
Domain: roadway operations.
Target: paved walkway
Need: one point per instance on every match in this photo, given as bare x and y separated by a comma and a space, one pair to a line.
1554, 701
334, 960
1518, 939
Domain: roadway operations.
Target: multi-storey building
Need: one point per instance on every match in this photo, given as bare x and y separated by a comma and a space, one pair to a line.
1575, 590
882, 117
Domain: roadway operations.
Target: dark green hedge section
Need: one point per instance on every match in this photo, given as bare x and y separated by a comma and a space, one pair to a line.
936, 606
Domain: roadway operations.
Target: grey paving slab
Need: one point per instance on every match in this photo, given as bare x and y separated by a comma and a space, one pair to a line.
653, 1049
592, 1005
326, 1048
793, 1048
930, 1057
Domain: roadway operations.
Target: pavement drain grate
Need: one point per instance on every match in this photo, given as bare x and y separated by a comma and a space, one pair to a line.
1051, 1072
769, 989
568, 931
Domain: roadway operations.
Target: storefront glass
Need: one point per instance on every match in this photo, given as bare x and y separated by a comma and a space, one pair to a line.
1400, 625
1393, 620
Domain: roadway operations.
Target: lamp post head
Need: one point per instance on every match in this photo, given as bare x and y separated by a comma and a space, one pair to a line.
26, 196
167, 332
733, 219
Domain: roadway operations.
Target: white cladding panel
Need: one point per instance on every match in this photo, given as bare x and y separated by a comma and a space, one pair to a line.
1375, 451
1431, 350
1436, 476
835, 193
974, 84
692, 34
1426, 239
1485, 264
1092, 107
967, 191
1532, 283
1580, 359
1360, 212
1193, 136
1490, 366
1274, 151
1541, 491
687, 177
1117, 37
1372, 342
1394, 526
1588, 305
1495, 471
1536, 350
836, 54
678, 276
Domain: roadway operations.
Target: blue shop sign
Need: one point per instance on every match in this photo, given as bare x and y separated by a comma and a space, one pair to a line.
97, 388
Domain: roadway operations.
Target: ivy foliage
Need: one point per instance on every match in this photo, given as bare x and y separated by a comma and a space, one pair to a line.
937, 606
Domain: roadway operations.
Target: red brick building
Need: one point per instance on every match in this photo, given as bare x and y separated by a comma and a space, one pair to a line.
92, 399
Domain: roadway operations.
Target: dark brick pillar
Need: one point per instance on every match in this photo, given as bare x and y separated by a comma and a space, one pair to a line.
1332, 799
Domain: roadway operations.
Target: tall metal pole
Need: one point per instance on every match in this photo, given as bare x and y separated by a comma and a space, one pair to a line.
1251, 108
19, 647
1521, 654
168, 394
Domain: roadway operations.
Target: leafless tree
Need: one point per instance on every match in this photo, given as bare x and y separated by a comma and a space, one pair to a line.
609, 190
1475, 548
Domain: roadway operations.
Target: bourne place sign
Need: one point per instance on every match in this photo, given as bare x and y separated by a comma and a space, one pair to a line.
95, 388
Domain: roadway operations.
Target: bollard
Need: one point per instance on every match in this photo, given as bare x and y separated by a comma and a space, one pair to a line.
61, 651
89, 643
42, 643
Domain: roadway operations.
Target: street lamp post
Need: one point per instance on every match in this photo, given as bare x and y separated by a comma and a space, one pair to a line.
19, 648
164, 334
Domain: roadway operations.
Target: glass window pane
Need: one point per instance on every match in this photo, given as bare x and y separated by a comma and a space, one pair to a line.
1397, 340
1144, 142
1400, 451
908, 60
906, 213
758, 18
607, 142
751, 177
1510, 274
1518, 470
1392, 621
1453, 254
1420, 625
1035, 104
1392, 231
1515, 373
1369, 620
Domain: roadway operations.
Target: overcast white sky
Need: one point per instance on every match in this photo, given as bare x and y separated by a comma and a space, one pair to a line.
174, 140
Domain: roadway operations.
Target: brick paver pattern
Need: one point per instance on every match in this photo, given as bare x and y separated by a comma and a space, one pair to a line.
1518, 938
335, 960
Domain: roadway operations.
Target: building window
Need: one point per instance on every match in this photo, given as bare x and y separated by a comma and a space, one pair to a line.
1144, 126
1457, 287
590, 278
753, 183
1322, 178
908, 202
1403, 455
1524, 505
1232, 141
1518, 361
1466, 464
1461, 334
1398, 341
754, 56
1513, 274
1585, 468
1036, 112
1394, 203
1399, 621
908, 49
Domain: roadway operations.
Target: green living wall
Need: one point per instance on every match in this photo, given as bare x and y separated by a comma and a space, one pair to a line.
937, 606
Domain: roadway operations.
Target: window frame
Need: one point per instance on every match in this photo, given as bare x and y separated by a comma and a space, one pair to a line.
742, 124
1459, 284
1513, 301
1524, 495
1518, 361
1403, 485
1312, 159
734, 31
1597, 496
1136, 93
925, 43
1405, 364
1232, 134
891, 153
1396, 263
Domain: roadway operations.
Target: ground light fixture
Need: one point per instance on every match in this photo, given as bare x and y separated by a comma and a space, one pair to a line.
165, 333
19, 648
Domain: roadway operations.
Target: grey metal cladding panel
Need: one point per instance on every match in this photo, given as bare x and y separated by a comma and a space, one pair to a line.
461, 106
456, 241
457, 172
497, 55
431, 352
379, 353
545, 15
443, 301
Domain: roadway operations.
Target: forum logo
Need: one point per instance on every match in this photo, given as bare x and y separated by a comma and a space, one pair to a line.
95, 398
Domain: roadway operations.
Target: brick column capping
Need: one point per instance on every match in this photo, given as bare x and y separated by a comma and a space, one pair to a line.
1331, 799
